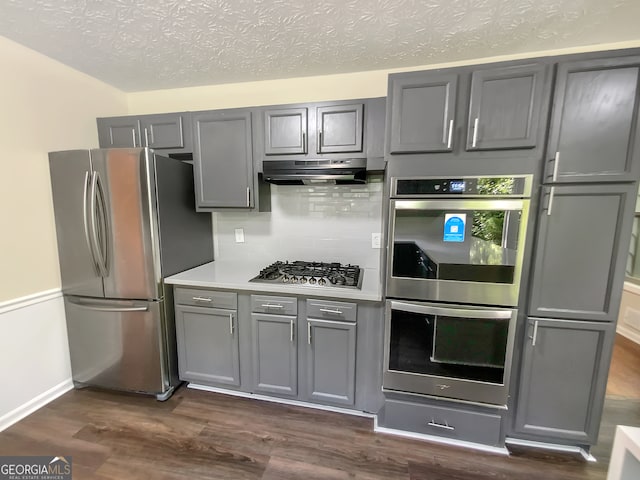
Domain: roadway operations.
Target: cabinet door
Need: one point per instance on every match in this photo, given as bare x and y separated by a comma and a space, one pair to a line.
422, 113
340, 128
208, 345
223, 159
285, 131
564, 377
275, 355
166, 131
331, 361
580, 254
504, 110
592, 131
119, 132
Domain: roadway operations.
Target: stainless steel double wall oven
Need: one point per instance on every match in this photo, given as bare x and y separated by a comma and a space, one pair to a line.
456, 249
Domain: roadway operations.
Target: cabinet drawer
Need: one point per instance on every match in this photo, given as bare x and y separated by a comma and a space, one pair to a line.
330, 310
274, 305
206, 298
447, 422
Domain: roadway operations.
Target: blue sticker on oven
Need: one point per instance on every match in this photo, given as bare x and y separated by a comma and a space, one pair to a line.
454, 227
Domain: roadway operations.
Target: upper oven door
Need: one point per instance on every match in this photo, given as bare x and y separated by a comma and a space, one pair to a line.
457, 250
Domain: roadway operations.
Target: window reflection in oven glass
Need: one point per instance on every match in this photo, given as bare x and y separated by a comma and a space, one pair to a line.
454, 347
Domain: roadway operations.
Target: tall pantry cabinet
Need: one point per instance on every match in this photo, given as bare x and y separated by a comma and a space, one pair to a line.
586, 213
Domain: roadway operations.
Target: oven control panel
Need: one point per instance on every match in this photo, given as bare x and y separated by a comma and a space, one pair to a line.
517, 186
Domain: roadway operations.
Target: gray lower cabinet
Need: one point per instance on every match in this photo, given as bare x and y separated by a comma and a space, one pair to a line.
580, 251
563, 380
275, 354
331, 352
168, 132
593, 135
223, 159
208, 348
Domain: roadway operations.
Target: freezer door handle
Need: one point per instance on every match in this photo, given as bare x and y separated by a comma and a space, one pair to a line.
101, 308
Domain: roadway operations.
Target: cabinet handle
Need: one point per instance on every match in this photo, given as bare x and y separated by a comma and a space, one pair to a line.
202, 299
450, 138
269, 305
474, 144
551, 194
231, 323
133, 135
319, 146
534, 337
327, 310
556, 163
248, 196
305, 145
291, 334
146, 137
308, 333
446, 425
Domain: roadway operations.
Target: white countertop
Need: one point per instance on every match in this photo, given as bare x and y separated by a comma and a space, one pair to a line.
235, 275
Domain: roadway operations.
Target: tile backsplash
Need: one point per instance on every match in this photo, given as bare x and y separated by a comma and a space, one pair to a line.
312, 223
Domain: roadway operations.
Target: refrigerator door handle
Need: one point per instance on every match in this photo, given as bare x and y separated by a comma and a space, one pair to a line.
101, 308
97, 240
102, 210
85, 219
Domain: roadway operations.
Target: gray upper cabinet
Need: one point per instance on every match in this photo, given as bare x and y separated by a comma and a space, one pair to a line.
285, 131
331, 361
168, 132
580, 252
223, 159
504, 108
116, 132
339, 128
275, 355
208, 347
422, 112
563, 382
593, 124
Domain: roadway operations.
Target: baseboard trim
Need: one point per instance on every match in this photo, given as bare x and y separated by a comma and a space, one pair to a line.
441, 440
34, 404
628, 333
283, 401
552, 446
29, 300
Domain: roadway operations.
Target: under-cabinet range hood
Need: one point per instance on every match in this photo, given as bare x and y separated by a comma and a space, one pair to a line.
315, 172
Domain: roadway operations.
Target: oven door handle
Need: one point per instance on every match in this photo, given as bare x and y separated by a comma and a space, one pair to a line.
450, 312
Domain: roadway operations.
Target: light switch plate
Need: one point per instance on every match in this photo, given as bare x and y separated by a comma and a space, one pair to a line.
239, 235
375, 240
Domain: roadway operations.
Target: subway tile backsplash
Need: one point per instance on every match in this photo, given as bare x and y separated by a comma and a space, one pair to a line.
313, 223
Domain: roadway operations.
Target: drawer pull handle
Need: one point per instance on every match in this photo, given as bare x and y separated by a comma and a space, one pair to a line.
328, 310
446, 425
202, 299
269, 305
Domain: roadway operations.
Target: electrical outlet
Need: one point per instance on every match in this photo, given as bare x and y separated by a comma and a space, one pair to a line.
376, 240
239, 235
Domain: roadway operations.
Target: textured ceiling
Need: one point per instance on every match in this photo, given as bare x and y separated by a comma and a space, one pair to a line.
152, 44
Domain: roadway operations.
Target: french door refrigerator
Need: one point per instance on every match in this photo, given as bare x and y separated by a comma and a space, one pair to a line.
125, 219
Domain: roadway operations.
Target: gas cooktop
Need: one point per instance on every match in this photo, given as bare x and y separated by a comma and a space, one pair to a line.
315, 274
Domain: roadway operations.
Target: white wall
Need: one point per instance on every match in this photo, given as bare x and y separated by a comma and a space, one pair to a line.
45, 106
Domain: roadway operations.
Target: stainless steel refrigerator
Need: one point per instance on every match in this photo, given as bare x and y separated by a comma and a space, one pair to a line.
125, 219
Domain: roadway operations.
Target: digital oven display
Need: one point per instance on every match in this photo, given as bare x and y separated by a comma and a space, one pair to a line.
456, 186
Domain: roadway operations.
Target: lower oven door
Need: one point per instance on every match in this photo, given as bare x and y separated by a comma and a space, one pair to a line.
452, 351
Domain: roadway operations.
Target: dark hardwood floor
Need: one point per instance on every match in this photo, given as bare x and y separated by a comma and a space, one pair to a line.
201, 435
